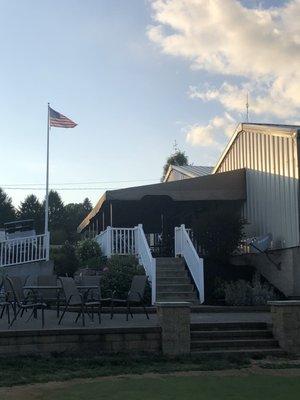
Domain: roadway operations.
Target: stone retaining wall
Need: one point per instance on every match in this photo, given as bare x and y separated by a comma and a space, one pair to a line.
81, 341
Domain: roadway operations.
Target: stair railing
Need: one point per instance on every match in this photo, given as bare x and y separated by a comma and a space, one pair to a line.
146, 259
125, 241
185, 248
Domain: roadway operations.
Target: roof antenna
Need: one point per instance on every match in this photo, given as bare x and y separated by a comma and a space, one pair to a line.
175, 147
247, 108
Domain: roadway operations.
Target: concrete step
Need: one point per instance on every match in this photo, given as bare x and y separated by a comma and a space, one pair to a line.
227, 334
169, 261
175, 288
273, 352
182, 296
232, 344
222, 326
171, 274
169, 280
168, 267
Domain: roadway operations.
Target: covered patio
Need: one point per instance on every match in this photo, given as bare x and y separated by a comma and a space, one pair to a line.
161, 207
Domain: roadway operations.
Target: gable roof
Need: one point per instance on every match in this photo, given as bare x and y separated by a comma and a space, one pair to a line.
267, 129
192, 171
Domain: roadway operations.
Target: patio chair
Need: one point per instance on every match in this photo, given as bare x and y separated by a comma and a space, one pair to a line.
134, 296
4, 304
15, 286
73, 297
49, 295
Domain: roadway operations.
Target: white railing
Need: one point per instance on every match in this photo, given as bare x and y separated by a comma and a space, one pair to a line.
185, 248
145, 258
24, 250
124, 241
117, 241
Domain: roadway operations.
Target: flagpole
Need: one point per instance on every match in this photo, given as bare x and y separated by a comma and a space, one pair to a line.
47, 176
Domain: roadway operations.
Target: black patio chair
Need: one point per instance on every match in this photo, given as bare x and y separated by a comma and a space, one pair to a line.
50, 296
20, 303
74, 298
135, 296
4, 303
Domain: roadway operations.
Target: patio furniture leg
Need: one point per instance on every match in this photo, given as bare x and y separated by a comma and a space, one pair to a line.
99, 312
82, 312
8, 313
112, 309
145, 310
63, 313
15, 317
128, 311
2, 312
43, 316
33, 313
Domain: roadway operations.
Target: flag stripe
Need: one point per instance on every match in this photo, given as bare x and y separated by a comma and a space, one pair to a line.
58, 120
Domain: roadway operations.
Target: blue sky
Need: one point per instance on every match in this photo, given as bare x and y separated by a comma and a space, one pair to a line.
103, 64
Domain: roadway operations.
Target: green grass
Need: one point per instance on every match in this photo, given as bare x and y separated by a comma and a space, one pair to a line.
174, 388
24, 370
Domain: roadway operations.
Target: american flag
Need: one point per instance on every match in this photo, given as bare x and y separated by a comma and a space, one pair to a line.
60, 121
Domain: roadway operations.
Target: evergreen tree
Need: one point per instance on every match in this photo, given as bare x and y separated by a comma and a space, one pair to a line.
31, 208
7, 211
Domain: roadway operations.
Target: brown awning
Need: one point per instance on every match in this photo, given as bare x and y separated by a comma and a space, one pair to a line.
223, 186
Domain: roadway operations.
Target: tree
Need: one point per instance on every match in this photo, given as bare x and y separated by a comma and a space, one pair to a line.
56, 218
87, 205
31, 208
177, 158
7, 211
75, 213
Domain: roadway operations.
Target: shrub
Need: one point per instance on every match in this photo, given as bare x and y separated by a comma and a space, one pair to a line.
118, 274
238, 293
242, 293
89, 254
65, 260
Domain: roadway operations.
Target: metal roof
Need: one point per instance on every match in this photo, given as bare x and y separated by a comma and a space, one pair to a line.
266, 129
191, 171
224, 186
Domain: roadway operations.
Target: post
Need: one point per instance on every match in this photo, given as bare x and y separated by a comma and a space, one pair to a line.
175, 320
286, 324
108, 243
111, 214
47, 176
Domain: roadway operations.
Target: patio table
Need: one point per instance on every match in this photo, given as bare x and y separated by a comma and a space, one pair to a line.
40, 288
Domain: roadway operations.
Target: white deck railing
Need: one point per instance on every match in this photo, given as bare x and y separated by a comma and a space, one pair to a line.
185, 248
145, 258
24, 250
124, 241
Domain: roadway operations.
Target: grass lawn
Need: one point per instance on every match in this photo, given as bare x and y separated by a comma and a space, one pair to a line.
26, 370
258, 387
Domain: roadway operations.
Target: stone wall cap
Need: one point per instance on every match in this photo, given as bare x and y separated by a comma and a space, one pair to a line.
173, 304
284, 303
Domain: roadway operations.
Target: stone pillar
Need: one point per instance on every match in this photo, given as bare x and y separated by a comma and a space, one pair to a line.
286, 324
175, 320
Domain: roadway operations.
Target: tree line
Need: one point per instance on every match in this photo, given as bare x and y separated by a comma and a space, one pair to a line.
63, 219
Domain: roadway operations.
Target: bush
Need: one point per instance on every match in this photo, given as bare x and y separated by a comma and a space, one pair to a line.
242, 293
118, 274
65, 260
89, 254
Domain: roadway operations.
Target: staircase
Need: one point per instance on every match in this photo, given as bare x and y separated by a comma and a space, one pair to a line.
247, 338
173, 282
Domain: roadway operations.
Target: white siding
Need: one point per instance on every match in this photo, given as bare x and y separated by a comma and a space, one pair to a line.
272, 183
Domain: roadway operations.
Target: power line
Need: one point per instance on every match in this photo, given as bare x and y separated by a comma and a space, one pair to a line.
78, 183
59, 189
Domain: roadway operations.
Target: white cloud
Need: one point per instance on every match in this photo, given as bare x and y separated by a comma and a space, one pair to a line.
260, 47
212, 134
